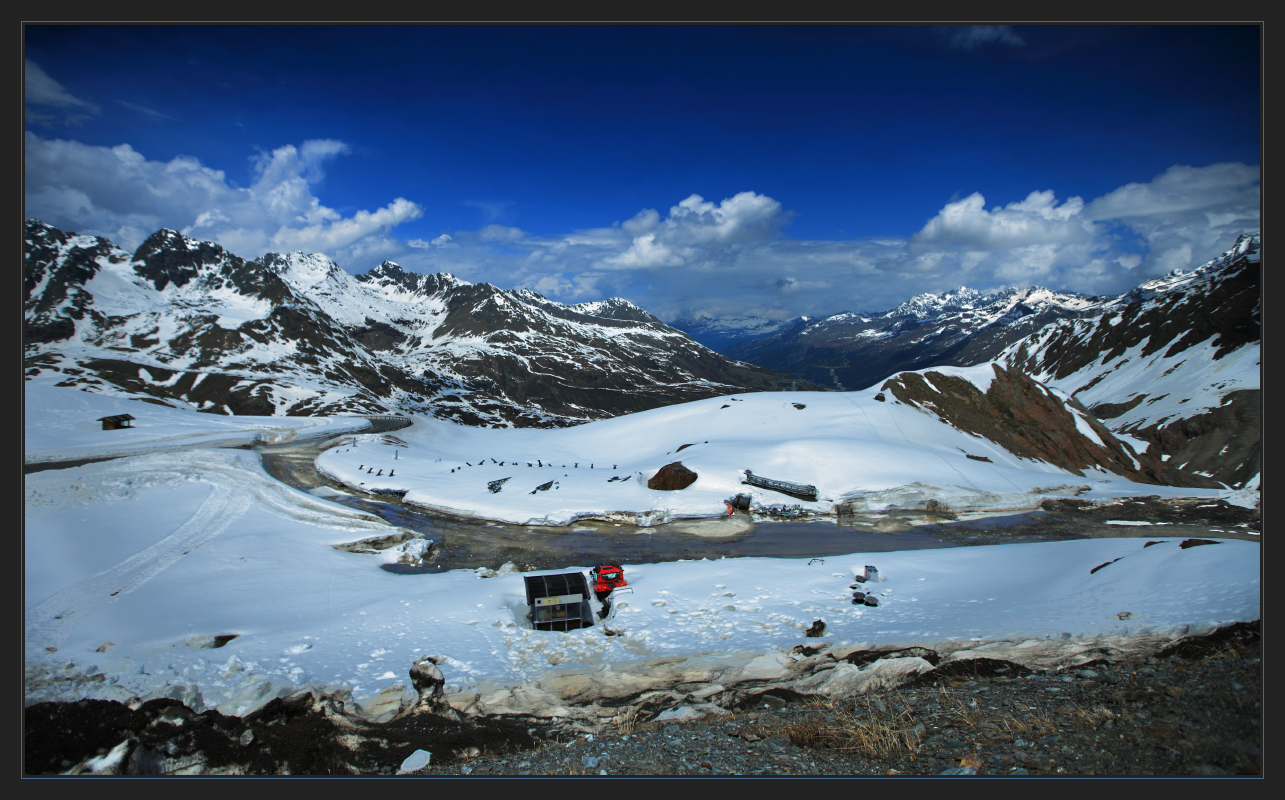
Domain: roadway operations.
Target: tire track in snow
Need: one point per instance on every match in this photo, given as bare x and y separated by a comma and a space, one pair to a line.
48, 624
236, 488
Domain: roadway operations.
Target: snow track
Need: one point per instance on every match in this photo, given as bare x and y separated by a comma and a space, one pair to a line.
237, 485
49, 624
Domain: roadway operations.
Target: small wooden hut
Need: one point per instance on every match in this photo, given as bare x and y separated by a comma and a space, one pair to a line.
116, 422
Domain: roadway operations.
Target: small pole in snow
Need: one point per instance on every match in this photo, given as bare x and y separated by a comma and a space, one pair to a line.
361, 466
394, 455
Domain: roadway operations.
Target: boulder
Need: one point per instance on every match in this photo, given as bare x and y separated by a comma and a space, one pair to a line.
427, 679
672, 477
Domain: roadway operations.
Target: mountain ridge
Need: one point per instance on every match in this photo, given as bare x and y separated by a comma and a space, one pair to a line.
184, 321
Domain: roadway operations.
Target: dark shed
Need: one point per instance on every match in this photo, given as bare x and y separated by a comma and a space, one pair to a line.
116, 422
559, 602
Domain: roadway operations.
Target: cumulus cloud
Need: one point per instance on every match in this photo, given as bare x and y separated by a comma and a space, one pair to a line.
1178, 220
53, 101
118, 193
1038, 219
692, 228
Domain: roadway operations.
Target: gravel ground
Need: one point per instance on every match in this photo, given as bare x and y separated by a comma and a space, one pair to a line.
1194, 710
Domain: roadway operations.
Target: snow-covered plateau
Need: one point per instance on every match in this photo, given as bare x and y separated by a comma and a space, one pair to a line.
192, 574
870, 454
62, 424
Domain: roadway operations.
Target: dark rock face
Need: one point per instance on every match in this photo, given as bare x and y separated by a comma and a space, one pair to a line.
1024, 418
672, 477
1226, 442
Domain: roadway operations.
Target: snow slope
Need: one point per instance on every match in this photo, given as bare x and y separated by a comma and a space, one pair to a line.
874, 455
61, 424
185, 547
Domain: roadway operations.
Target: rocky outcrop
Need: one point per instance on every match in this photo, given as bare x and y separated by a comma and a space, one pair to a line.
672, 477
1030, 421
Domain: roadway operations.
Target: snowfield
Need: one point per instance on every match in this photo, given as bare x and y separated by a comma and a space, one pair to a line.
62, 425
873, 455
194, 575
227, 550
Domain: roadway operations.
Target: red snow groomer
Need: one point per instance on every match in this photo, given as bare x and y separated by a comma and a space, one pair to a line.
607, 577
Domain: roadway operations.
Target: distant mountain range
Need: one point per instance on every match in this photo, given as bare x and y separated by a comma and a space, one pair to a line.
186, 323
1171, 366
1173, 363
855, 350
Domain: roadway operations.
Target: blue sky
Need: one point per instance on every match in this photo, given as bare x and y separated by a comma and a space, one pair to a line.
703, 170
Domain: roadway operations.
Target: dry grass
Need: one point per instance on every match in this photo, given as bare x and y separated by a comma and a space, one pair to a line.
1093, 717
867, 729
1031, 727
626, 722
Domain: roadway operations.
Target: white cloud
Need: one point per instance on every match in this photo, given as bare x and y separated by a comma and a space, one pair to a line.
970, 37
491, 209
41, 90
1181, 188
1185, 216
118, 193
441, 241
692, 230
1036, 220
148, 111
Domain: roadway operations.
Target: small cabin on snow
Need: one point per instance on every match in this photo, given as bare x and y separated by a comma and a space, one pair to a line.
116, 422
559, 602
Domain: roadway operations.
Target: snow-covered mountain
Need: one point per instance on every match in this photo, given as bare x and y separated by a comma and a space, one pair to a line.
187, 323
957, 328
1175, 363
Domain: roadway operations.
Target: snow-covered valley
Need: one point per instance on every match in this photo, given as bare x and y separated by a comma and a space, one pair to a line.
192, 574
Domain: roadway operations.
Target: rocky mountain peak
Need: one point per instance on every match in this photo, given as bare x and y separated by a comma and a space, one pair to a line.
390, 275
929, 305
168, 256
615, 308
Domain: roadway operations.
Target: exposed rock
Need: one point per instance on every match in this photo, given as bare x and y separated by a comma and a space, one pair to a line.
1224, 443
427, 679
672, 477
1025, 418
